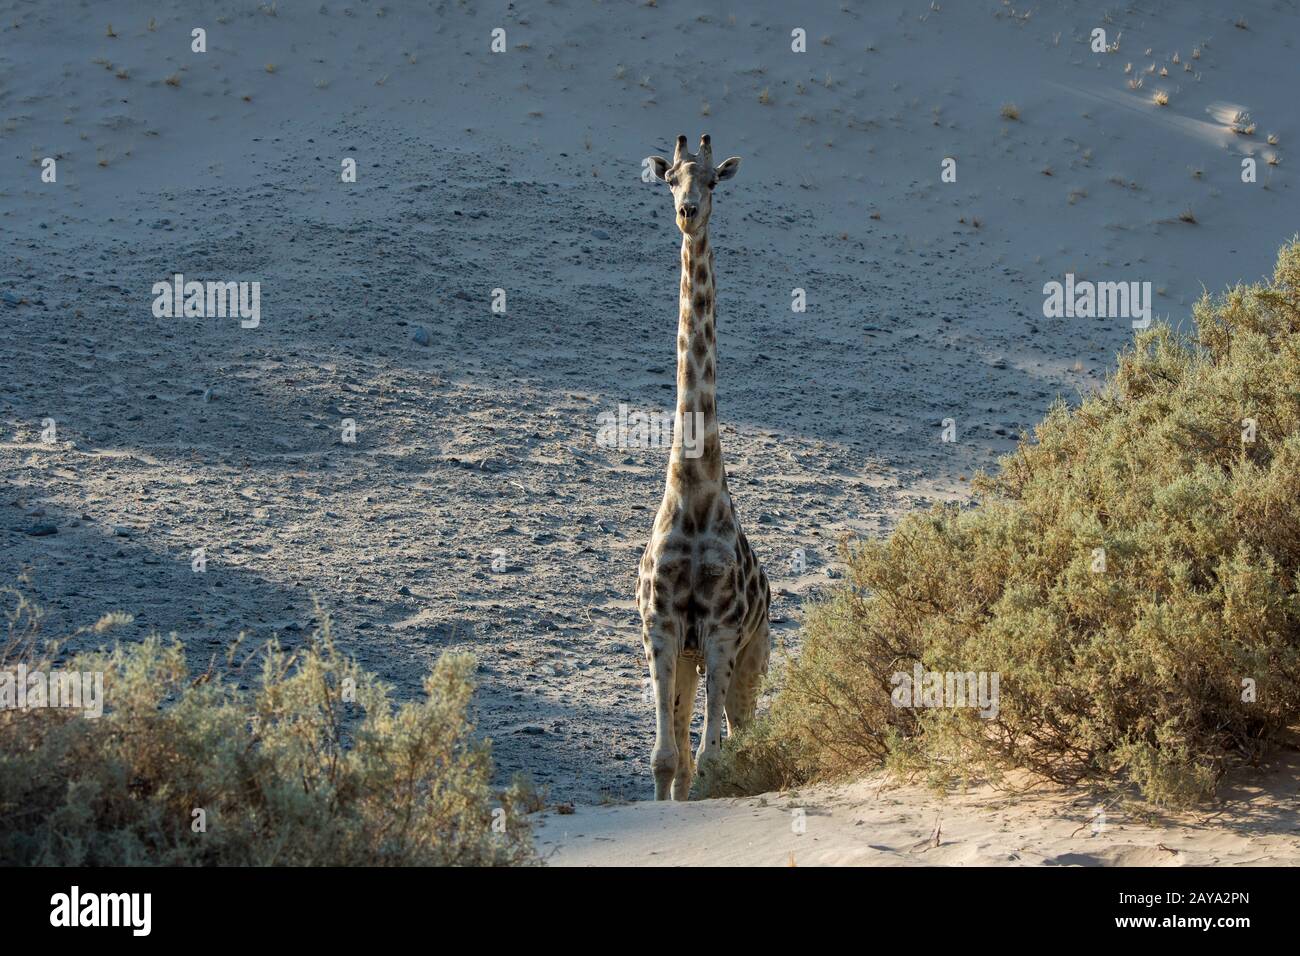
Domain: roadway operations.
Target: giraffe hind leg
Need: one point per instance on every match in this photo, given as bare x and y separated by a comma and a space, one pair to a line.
751, 666
683, 708
720, 661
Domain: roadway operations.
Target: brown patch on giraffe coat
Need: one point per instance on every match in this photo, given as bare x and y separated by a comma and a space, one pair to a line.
735, 610
721, 517
714, 469
701, 509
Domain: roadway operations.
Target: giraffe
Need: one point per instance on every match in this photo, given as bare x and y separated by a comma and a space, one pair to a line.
701, 591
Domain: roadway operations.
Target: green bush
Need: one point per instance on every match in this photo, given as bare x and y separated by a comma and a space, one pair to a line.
1132, 674
314, 765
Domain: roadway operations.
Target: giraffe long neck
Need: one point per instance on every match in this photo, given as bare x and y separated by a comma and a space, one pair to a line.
697, 452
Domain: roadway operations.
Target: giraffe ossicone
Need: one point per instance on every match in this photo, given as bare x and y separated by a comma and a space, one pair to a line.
701, 591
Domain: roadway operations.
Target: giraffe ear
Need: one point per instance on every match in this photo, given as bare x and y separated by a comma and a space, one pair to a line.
727, 168
659, 166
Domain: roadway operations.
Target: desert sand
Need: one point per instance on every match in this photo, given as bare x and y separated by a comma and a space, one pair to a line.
476, 509
877, 821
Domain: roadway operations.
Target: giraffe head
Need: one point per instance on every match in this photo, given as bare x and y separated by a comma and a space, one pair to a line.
691, 177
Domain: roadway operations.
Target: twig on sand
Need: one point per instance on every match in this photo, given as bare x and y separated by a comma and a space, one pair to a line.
932, 840
1092, 819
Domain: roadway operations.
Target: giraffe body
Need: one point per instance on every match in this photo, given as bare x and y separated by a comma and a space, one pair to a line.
701, 590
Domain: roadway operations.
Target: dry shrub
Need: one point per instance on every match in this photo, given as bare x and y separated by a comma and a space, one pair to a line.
288, 772
1135, 674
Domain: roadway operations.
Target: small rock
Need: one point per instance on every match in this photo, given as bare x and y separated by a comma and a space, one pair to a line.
422, 336
42, 530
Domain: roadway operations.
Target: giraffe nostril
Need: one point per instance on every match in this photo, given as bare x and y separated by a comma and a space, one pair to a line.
688, 211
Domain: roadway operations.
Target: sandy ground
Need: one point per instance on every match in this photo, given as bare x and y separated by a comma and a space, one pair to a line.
876, 822
520, 171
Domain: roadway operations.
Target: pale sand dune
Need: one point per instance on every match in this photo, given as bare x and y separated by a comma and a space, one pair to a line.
875, 823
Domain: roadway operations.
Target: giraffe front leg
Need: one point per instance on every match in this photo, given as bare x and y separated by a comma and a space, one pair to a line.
720, 663
662, 659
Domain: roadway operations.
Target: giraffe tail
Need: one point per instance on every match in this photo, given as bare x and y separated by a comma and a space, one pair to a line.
691, 645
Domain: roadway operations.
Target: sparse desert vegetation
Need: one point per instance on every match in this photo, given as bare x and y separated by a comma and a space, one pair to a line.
1130, 571
313, 765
